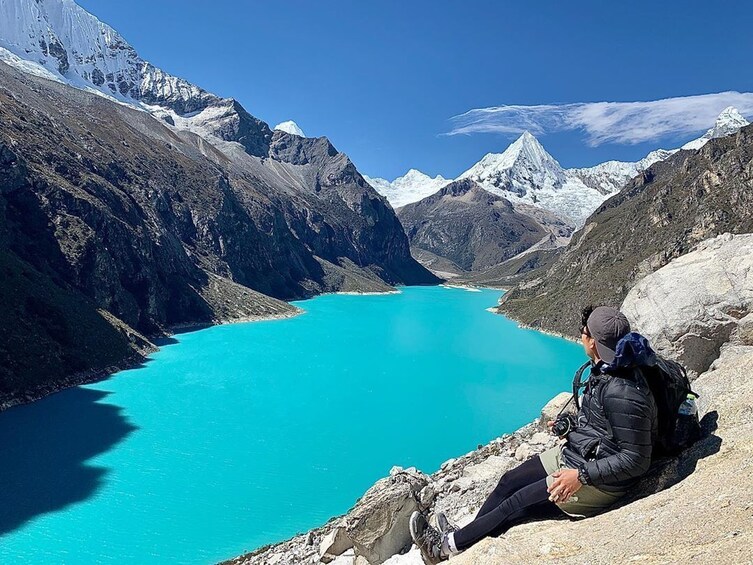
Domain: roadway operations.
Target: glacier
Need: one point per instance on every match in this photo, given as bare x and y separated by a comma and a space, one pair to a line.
411, 187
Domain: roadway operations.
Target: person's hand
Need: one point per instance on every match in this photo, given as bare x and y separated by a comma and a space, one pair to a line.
565, 484
550, 424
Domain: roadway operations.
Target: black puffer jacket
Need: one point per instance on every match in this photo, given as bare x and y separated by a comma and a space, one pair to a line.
616, 429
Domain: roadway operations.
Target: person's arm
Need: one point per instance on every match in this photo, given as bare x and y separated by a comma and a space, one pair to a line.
630, 413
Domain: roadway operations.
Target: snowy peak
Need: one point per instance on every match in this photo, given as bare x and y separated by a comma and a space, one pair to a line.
411, 187
290, 127
611, 176
523, 152
523, 167
727, 123
59, 40
73, 46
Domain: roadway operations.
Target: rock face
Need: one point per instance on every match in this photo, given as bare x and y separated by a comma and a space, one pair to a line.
378, 525
713, 287
471, 227
660, 215
126, 228
704, 514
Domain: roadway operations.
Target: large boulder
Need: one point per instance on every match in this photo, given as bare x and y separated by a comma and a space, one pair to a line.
335, 543
378, 525
690, 307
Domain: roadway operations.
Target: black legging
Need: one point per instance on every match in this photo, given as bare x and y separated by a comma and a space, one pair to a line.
520, 495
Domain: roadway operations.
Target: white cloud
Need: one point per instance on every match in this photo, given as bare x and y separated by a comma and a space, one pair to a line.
607, 122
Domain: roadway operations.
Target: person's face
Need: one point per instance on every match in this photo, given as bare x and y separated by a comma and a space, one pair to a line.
589, 343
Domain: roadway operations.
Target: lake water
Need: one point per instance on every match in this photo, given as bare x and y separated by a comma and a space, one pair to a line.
240, 435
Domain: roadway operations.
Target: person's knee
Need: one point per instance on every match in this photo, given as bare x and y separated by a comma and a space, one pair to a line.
503, 485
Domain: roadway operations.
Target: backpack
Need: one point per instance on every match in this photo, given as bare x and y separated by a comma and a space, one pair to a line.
669, 385
670, 388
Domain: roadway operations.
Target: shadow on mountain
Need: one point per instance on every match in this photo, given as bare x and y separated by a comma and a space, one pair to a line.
45, 447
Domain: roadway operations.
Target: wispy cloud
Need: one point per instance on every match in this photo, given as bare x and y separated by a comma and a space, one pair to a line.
607, 122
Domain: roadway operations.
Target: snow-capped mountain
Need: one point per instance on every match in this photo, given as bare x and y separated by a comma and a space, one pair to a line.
526, 173
59, 40
728, 122
290, 127
523, 167
77, 48
611, 176
411, 187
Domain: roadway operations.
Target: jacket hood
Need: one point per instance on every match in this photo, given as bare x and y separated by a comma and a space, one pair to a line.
633, 350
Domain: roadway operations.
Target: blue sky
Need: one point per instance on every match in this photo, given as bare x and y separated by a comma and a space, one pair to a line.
384, 79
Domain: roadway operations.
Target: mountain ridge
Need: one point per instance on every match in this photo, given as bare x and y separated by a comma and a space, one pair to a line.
526, 172
469, 226
659, 215
133, 222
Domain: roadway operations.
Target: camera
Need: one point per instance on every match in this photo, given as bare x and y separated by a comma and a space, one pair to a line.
563, 425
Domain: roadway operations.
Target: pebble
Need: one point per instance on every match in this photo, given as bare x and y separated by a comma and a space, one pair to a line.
523, 452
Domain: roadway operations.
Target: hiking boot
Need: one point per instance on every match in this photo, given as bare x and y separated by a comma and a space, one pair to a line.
444, 524
428, 540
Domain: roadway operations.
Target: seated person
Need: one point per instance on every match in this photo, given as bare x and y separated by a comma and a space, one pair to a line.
608, 449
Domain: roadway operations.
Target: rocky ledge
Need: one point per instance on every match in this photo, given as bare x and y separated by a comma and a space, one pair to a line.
698, 506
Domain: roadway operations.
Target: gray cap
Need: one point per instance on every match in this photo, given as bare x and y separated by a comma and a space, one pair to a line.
607, 326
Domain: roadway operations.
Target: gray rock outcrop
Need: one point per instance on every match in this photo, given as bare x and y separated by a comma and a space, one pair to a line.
378, 525
711, 287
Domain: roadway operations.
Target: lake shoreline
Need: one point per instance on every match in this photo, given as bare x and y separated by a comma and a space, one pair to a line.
130, 362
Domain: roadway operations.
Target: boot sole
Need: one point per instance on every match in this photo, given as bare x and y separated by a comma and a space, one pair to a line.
427, 559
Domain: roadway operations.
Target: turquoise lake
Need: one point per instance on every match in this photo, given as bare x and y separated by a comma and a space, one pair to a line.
235, 436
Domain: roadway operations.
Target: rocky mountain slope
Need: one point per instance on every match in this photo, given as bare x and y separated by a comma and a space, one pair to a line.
696, 507
658, 216
145, 228
471, 227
